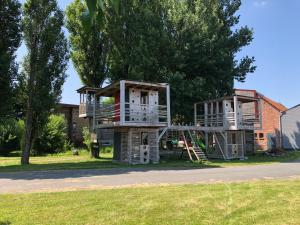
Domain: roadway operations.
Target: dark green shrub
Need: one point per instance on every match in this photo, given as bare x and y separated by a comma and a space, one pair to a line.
11, 136
52, 138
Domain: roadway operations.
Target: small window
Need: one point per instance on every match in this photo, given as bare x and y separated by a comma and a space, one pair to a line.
255, 136
144, 98
261, 136
144, 138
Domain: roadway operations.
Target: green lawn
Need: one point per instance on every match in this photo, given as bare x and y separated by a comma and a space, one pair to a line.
264, 202
84, 161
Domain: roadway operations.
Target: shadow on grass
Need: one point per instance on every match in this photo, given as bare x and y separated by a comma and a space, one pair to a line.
106, 166
5, 223
88, 169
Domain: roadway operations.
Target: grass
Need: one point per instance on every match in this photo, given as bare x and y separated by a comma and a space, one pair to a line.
84, 161
263, 202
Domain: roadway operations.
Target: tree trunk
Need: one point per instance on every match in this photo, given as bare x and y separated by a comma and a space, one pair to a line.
28, 137
29, 110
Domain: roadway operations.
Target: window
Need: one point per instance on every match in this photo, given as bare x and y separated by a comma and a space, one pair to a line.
261, 136
144, 98
233, 138
255, 136
144, 138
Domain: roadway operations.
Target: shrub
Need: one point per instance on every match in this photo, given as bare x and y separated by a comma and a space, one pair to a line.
87, 139
52, 138
11, 136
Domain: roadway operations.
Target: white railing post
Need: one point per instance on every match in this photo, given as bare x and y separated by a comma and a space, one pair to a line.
122, 102
205, 114
235, 101
168, 105
94, 115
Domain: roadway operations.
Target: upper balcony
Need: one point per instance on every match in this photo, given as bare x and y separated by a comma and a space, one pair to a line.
229, 113
134, 115
132, 104
87, 98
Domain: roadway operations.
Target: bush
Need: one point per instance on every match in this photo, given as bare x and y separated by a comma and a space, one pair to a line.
11, 136
87, 139
52, 138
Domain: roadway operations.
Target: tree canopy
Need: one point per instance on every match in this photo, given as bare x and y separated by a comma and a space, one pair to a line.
44, 67
190, 44
90, 45
10, 29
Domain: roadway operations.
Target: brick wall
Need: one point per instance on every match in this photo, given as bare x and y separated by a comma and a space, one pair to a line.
270, 120
270, 126
74, 123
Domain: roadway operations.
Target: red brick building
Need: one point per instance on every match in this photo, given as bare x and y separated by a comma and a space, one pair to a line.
74, 123
269, 135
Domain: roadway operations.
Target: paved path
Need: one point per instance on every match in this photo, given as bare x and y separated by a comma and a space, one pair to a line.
63, 180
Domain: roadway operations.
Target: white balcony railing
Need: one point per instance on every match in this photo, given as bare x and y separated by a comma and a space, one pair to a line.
133, 114
86, 109
228, 120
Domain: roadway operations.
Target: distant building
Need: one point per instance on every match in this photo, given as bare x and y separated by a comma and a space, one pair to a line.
269, 136
75, 124
290, 128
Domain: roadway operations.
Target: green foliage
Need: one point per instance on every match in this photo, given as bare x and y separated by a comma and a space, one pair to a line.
87, 139
97, 8
52, 138
108, 101
10, 29
44, 67
190, 44
11, 135
90, 45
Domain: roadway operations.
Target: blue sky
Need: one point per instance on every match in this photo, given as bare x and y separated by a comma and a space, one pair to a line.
276, 47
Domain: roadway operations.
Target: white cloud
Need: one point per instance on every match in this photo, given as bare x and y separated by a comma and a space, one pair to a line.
260, 3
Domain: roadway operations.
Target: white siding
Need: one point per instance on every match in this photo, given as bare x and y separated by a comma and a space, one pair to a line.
290, 123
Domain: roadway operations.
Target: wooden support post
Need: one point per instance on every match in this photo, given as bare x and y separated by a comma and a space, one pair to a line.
94, 115
205, 114
168, 105
211, 113
226, 144
195, 114
206, 141
217, 114
235, 105
243, 138
122, 102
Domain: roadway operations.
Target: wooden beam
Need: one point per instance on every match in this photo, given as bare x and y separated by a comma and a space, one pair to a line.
168, 105
235, 102
122, 102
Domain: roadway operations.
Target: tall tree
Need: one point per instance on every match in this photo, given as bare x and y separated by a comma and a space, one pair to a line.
141, 42
89, 43
44, 66
207, 40
191, 44
10, 29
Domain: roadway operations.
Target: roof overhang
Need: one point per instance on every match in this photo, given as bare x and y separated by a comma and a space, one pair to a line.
111, 89
241, 98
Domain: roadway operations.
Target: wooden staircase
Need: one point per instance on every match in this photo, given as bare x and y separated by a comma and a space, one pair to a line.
194, 151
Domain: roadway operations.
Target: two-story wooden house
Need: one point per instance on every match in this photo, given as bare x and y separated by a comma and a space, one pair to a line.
139, 118
138, 112
228, 126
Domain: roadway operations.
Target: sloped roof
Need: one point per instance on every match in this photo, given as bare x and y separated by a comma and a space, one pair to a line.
280, 107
